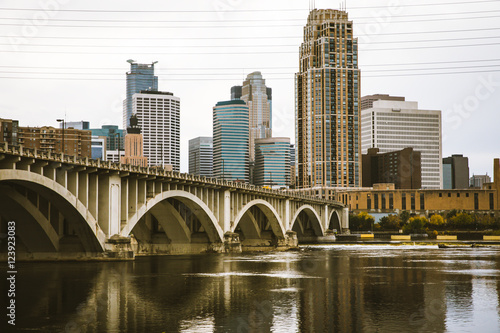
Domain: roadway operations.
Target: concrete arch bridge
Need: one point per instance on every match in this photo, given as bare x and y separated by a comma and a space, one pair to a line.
69, 208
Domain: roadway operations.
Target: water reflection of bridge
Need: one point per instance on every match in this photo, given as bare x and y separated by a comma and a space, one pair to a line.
65, 207
305, 292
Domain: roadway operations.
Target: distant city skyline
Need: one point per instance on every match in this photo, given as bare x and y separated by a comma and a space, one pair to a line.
403, 51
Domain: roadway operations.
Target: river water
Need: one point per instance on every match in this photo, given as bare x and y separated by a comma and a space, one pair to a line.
349, 288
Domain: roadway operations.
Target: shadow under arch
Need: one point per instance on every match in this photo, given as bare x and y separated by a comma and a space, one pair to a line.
258, 220
307, 223
27, 216
164, 211
334, 221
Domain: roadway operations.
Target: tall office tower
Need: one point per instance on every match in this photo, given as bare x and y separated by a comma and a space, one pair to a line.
141, 77
134, 152
259, 100
395, 125
231, 140
201, 156
272, 162
455, 172
159, 118
327, 96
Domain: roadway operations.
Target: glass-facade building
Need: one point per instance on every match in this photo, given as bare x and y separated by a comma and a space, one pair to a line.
141, 77
201, 156
231, 140
115, 137
327, 132
272, 162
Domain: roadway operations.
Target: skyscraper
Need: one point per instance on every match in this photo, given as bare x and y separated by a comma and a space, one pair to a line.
231, 140
259, 100
393, 125
159, 118
201, 156
328, 147
141, 77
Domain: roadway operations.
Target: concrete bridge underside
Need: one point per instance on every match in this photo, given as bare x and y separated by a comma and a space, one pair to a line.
66, 208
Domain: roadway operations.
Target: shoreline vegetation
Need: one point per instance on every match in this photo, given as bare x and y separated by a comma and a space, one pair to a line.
454, 222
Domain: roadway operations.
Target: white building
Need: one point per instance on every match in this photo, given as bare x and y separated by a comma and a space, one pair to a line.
394, 125
159, 118
114, 155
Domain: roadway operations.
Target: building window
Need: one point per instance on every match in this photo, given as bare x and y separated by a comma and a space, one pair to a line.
440, 195
466, 195
422, 201
458, 195
476, 201
491, 202
412, 201
391, 201
403, 201
383, 200
449, 195
368, 201
375, 201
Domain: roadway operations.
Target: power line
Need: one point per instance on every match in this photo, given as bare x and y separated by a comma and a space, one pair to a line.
240, 10
268, 73
240, 37
251, 52
267, 78
243, 20
229, 46
191, 26
242, 68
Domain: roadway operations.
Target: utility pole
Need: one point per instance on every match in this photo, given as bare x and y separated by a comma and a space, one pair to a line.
63, 126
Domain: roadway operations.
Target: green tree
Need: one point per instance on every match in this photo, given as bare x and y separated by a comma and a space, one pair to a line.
390, 222
461, 221
361, 222
404, 216
415, 225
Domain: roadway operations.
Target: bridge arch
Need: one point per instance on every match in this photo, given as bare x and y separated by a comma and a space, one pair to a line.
270, 213
334, 221
195, 204
313, 217
73, 210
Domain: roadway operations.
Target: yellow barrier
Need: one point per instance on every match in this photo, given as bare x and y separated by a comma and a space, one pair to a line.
446, 237
400, 237
366, 235
491, 238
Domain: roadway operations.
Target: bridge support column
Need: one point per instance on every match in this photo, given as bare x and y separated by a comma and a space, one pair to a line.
290, 240
344, 221
232, 242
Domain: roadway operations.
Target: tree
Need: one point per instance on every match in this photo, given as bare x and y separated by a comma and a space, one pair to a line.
415, 225
461, 221
436, 222
404, 216
390, 222
361, 222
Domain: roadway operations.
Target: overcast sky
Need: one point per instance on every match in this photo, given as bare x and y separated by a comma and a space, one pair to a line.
69, 57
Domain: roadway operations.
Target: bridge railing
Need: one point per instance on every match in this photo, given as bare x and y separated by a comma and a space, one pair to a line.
19, 150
